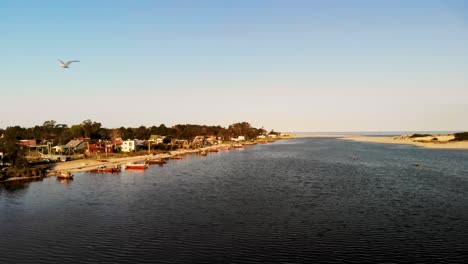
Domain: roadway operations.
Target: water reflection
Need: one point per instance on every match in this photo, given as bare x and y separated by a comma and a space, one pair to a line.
322, 199
17, 186
64, 180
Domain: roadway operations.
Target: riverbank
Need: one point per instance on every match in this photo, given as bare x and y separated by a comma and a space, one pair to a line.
90, 164
81, 165
441, 141
19, 174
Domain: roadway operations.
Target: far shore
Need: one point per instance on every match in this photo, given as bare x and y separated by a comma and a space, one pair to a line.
437, 141
321, 135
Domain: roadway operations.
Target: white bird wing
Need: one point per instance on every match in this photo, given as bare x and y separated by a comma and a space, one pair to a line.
68, 62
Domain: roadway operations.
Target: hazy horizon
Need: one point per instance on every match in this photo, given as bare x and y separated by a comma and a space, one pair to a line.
282, 65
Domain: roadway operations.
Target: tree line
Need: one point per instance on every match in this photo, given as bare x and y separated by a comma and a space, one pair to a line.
51, 131
60, 134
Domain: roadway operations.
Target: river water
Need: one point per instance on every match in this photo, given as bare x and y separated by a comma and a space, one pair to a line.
293, 201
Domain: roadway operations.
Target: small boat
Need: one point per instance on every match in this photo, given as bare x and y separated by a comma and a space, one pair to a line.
155, 161
238, 146
213, 150
263, 142
224, 148
64, 175
136, 166
104, 169
176, 157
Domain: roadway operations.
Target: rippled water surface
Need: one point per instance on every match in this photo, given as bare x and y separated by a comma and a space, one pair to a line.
293, 201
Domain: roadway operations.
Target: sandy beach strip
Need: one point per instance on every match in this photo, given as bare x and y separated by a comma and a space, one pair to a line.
441, 143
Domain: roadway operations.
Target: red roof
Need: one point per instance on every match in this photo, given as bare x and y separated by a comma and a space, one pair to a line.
28, 142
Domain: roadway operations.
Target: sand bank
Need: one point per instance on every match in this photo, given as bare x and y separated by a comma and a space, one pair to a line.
432, 141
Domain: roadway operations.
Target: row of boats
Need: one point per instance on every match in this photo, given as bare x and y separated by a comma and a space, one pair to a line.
143, 166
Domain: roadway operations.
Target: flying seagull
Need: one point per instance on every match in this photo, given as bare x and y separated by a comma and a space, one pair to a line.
66, 64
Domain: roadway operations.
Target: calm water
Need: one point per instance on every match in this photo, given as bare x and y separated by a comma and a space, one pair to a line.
293, 201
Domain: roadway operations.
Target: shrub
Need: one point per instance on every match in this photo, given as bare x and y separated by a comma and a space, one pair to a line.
460, 136
419, 135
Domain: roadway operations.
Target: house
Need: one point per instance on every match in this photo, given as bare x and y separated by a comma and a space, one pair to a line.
101, 147
77, 144
239, 138
117, 143
60, 149
199, 141
180, 143
213, 140
28, 142
156, 139
129, 145
141, 144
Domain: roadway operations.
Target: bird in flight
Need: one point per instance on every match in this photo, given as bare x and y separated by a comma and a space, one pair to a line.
66, 64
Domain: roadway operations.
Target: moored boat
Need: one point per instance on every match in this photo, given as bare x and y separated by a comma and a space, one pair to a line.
224, 148
105, 169
238, 146
136, 166
176, 157
64, 175
155, 161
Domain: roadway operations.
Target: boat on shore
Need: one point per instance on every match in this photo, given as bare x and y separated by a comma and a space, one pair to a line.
238, 146
136, 166
105, 169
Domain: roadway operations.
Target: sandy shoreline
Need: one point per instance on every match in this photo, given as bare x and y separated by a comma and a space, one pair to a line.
442, 141
90, 164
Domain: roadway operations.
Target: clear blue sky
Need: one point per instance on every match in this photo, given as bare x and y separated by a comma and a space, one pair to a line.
288, 65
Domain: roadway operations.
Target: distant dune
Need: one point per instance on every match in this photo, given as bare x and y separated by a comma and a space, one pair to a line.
440, 141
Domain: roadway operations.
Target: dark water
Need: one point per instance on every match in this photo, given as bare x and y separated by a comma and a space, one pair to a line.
293, 201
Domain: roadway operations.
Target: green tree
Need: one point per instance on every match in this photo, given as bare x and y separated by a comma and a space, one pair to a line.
13, 153
92, 129
15, 133
142, 133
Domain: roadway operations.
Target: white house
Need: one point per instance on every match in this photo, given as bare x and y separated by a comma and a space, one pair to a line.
157, 139
129, 145
239, 138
